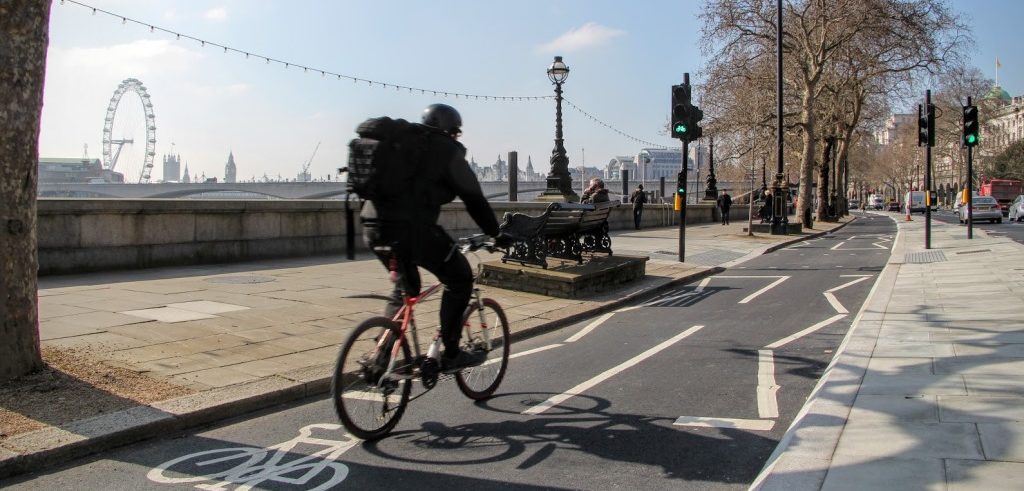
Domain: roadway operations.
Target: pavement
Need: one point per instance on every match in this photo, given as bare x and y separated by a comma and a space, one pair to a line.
926, 390
246, 336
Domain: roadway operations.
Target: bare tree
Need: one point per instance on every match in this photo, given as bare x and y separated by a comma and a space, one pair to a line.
23, 39
891, 41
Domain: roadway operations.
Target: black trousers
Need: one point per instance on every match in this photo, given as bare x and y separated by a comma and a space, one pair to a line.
431, 248
637, 214
725, 216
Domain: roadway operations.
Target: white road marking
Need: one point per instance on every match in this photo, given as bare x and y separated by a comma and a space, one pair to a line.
856, 275
767, 403
837, 245
835, 303
703, 284
527, 352
793, 337
739, 424
769, 287
844, 285
590, 327
579, 389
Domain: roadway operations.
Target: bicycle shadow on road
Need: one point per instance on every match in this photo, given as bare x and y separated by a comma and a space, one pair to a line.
614, 442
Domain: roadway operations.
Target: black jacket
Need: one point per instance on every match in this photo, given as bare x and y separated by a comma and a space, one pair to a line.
638, 198
442, 176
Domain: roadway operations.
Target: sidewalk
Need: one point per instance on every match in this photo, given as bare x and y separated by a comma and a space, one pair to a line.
205, 343
926, 392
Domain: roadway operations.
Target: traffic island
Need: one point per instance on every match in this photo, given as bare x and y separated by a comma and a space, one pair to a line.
566, 279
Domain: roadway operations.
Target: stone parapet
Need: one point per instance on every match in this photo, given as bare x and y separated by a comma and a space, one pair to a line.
79, 235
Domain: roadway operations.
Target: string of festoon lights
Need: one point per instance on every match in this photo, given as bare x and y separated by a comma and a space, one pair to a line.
340, 76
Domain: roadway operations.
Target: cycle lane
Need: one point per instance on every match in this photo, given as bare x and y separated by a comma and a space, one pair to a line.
454, 418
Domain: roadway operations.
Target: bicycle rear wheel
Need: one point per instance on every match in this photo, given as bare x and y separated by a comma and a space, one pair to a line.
490, 334
368, 403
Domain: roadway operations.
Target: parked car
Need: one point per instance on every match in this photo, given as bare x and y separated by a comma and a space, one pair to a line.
1017, 209
854, 204
893, 206
985, 208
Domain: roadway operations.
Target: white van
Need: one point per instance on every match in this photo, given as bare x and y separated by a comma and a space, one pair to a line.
915, 200
875, 202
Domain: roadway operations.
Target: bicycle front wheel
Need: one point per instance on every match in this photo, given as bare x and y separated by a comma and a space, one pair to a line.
485, 329
368, 402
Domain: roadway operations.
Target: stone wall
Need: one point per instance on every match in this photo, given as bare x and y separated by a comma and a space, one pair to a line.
80, 235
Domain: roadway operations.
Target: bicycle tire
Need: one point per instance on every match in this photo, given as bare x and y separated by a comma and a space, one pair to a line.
368, 407
480, 382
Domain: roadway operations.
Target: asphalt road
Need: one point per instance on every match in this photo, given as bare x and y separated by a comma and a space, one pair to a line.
690, 390
1008, 229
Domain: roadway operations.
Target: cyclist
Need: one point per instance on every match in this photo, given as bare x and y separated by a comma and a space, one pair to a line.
409, 226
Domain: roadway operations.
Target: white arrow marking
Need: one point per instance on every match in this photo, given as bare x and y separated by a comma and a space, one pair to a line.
590, 327
581, 388
793, 337
769, 287
739, 424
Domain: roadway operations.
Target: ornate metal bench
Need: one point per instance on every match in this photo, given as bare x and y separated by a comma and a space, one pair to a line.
564, 230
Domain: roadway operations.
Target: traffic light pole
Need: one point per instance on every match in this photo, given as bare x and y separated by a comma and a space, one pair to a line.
681, 189
970, 186
928, 174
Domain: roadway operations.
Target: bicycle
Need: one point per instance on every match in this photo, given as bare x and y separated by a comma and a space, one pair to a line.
376, 367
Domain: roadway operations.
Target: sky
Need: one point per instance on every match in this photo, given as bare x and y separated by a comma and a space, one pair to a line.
623, 58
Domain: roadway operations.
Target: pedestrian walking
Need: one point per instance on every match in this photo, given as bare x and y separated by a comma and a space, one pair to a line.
638, 198
724, 203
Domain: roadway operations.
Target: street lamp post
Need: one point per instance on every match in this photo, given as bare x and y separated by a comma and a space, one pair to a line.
711, 192
559, 182
780, 221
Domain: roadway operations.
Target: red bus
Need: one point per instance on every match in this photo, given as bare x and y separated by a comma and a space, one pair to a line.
1003, 190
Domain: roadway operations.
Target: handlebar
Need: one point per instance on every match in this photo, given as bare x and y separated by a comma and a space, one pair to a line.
477, 242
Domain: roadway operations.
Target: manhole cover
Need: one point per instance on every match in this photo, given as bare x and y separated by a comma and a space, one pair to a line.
925, 257
241, 280
975, 252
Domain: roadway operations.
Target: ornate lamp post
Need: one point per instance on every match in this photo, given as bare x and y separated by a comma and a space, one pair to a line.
559, 187
711, 192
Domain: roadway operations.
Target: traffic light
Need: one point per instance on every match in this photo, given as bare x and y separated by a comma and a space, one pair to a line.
926, 125
696, 115
680, 111
970, 137
681, 183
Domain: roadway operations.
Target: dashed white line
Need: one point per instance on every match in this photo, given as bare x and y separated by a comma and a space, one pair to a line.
579, 389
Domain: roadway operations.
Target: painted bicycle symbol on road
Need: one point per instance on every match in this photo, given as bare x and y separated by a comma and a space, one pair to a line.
246, 467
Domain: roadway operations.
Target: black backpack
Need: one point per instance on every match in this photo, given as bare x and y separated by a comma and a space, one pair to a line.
383, 162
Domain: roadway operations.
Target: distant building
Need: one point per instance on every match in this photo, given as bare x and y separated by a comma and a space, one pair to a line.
185, 177
886, 135
1006, 125
76, 170
229, 169
172, 168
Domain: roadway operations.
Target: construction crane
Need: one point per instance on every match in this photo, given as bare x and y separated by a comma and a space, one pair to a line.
304, 175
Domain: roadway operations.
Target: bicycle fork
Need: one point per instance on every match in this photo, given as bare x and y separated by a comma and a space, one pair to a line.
486, 332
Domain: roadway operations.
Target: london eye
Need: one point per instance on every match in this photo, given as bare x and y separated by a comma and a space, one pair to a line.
128, 124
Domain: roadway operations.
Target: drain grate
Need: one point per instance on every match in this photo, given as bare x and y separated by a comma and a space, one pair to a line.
975, 252
241, 280
925, 257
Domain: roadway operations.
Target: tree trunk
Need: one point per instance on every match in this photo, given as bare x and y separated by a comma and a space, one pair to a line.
823, 181
808, 119
24, 28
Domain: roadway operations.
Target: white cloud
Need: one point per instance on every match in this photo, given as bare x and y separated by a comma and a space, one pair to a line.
588, 35
137, 58
218, 14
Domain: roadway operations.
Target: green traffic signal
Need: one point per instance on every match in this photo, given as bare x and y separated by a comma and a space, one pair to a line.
972, 139
680, 128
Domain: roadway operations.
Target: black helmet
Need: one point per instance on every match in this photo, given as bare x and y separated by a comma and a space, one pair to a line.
443, 117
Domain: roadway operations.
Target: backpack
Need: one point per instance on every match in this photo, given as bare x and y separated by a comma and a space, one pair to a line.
383, 162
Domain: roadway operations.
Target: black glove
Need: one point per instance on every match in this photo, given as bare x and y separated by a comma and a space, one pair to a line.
503, 240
